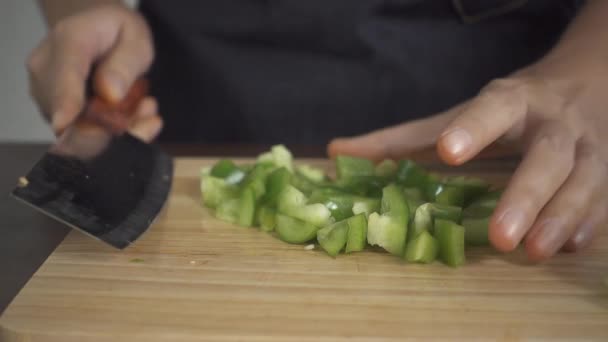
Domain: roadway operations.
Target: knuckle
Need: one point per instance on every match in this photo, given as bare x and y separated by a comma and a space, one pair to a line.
554, 138
508, 93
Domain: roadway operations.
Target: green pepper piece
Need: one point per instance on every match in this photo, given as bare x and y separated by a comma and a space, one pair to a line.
389, 230
224, 168
476, 218
451, 242
472, 187
357, 233
275, 183
413, 194
386, 169
340, 204
476, 231
215, 191
228, 210
423, 221
311, 173
431, 186
266, 218
446, 212
350, 167
427, 213
423, 249
333, 237
279, 156
410, 174
449, 194
256, 180
365, 205
293, 230
483, 206
303, 184
246, 208
292, 202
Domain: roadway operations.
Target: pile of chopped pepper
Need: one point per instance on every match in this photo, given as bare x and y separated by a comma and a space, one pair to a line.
397, 205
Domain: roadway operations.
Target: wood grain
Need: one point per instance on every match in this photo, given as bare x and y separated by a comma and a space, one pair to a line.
194, 278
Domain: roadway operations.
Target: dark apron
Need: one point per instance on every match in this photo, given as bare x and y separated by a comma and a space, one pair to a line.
304, 71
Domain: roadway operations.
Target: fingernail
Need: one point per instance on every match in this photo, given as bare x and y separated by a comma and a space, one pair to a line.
549, 236
457, 141
512, 223
116, 85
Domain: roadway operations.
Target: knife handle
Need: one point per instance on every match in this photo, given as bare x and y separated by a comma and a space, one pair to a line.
114, 117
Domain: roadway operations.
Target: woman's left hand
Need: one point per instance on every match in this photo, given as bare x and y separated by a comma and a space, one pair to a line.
557, 196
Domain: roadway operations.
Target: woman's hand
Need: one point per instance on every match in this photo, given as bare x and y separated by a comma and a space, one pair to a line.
111, 37
557, 197
555, 111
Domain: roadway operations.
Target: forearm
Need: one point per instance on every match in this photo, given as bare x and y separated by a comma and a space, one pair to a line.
55, 10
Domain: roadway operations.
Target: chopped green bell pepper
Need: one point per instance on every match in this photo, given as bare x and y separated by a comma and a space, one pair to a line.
227, 170
476, 231
472, 187
266, 218
351, 167
451, 242
292, 202
275, 183
389, 230
365, 205
247, 204
293, 230
228, 210
410, 174
386, 169
216, 190
312, 174
476, 219
357, 233
333, 237
339, 203
279, 156
422, 249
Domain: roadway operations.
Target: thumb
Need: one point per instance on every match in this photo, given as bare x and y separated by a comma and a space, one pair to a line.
129, 59
396, 141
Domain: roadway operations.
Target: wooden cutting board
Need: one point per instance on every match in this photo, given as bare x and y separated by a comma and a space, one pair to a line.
194, 278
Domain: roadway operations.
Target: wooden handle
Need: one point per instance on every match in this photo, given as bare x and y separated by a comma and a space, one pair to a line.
114, 117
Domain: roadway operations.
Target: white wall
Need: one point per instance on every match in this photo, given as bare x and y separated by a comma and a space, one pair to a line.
21, 28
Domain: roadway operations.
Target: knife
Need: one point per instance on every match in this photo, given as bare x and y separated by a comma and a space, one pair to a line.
99, 179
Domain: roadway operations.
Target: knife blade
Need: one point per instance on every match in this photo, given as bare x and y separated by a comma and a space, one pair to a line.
99, 179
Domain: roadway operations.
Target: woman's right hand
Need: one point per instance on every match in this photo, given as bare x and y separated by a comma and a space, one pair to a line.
114, 39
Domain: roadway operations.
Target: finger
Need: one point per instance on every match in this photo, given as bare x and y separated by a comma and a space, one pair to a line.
66, 84
588, 228
396, 141
130, 57
148, 128
484, 120
36, 64
546, 166
72, 52
147, 107
147, 124
569, 206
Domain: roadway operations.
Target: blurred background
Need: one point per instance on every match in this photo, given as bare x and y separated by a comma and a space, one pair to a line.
21, 28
